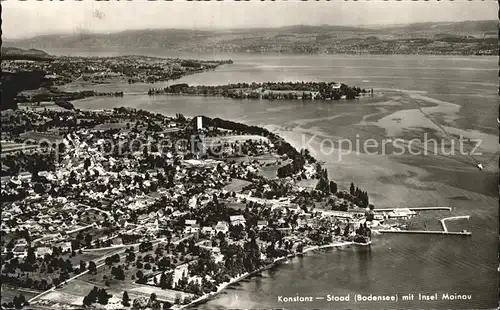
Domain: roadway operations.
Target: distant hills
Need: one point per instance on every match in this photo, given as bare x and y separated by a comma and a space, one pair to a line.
13, 53
14, 82
450, 27
411, 38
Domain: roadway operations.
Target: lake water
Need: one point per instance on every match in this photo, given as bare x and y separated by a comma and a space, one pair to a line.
444, 97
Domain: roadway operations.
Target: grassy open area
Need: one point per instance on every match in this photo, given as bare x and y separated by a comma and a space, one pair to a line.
60, 297
308, 183
85, 256
43, 105
38, 136
236, 185
14, 147
106, 126
9, 292
269, 172
237, 205
143, 263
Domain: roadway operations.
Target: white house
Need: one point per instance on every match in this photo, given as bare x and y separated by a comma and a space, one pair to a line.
402, 213
20, 250
65, 246
191, 227
336, 86
237, 220
207, 230
193, 202
41, 251
221, 227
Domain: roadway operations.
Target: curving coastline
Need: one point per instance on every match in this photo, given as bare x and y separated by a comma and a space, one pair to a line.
245, 275
300, 160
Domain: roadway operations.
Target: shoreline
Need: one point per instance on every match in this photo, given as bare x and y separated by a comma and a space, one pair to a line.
364, 95
119, 52
206, 297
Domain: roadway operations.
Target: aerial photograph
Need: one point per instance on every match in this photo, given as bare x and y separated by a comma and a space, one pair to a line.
250, 155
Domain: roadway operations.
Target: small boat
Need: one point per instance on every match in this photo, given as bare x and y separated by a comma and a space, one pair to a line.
480, 166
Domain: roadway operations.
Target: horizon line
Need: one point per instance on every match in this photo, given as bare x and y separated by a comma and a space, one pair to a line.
215, 29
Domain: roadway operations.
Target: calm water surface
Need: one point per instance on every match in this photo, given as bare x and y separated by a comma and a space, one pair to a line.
459, 96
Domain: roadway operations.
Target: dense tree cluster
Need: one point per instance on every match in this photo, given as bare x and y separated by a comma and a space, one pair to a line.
110, 260
96, 295
327, 188
324, 185
361, 197
53, 264
18, 302
118, 272
269, 90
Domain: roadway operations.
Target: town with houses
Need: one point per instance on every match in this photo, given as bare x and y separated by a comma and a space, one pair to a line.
34, 76
130, 69
128, 209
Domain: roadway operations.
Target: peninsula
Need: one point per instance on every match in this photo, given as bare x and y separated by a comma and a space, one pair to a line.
90, 218
35, 76
128, 208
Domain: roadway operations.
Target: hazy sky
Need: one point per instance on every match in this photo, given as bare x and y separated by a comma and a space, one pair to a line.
23, 19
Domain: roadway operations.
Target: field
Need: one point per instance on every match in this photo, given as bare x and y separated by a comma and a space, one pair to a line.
106, 126
43, 105
74, 291
236, 185
13, 147
237, 205
270, 166
105, 277
41, 136
308, 183
269, 172
93, 255
8, 293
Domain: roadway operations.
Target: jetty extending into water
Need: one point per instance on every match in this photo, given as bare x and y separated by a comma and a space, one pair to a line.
414, 209
452, 218
435, 232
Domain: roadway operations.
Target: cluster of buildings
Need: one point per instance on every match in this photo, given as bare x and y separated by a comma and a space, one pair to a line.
116, 184
106, 192
352, 43
64, 70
